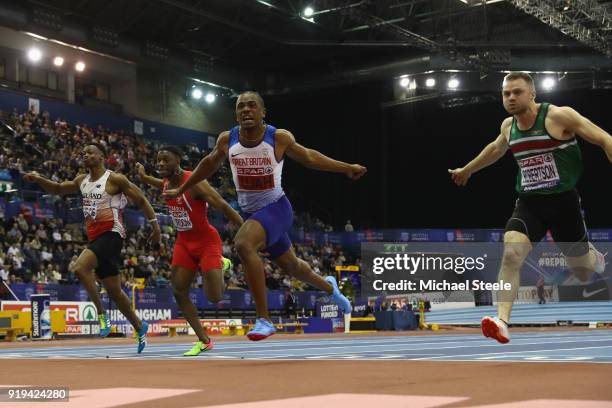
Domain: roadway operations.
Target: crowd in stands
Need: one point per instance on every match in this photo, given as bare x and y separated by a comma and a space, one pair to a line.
54, 148
33, 251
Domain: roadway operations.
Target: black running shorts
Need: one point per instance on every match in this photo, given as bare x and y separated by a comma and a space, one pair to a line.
560, 213
107, 248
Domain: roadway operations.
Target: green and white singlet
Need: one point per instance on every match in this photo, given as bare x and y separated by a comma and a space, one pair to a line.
546, 165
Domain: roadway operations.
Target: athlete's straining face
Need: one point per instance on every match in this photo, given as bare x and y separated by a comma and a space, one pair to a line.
92, 156
518, 95
167, 163
249, 111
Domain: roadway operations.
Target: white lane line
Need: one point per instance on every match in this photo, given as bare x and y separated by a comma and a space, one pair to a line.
517, 352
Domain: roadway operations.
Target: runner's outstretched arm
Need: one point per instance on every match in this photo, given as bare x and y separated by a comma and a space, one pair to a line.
212, 197
65, 187
313, 159
489, 155
207, 166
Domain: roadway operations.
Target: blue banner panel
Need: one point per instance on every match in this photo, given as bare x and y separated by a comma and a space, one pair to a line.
317, 325
41, 316
387, 320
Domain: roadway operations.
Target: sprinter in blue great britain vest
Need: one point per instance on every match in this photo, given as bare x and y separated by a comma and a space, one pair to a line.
256, 152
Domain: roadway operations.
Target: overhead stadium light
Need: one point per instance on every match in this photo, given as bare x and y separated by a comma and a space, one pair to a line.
196, 93
34, 54
430, 82
79, 66
453, 83
58, 61
308, 12
404, 82
548, 83
210, 97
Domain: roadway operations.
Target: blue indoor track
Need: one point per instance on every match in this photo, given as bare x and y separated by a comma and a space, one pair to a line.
589, 346
550, 313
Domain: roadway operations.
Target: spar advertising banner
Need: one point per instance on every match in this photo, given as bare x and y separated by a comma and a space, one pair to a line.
212, 326
75, 311
82, 329
82, 317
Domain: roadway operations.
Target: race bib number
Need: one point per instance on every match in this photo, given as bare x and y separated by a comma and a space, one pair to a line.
181, 220
89, 209
539, 172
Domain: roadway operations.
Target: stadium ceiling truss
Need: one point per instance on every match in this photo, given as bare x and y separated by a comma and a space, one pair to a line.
340, 35
587, 21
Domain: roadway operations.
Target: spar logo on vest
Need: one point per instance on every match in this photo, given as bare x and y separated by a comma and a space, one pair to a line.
537, 160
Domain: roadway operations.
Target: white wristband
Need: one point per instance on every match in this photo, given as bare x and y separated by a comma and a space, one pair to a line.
153, 220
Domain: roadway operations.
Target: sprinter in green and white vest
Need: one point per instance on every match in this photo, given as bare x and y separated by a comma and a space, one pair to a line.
542, 138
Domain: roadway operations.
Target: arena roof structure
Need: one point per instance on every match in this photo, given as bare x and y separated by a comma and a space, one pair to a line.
279, 46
